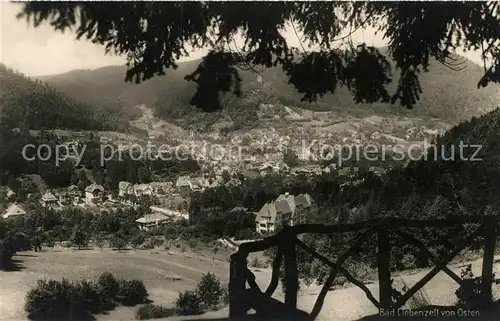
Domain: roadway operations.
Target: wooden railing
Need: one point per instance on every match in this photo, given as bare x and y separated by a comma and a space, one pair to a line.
286, 241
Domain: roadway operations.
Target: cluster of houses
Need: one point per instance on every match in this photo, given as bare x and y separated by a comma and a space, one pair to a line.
157, 217
278, 166
127, 189
72, 195
94, 194
286, 209
186, 184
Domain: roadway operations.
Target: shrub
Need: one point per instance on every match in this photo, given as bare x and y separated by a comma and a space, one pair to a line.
118, 243
64, 300
361, 270
79, 238
50, 243
192, 243
55, 300
225, 296
153, 311
418, 300
256, 263
152, 242
215, 249
137, 240
408, 261
94, 297
131, 292
6, 253
99, 241
340, 280
471, 293
209, 290
189, 303
36, 243
108, 284
21, 242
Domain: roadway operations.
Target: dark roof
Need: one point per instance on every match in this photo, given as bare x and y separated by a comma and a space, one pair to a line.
283, 207
303, 199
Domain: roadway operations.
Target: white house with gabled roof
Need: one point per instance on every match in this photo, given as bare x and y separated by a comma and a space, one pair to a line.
48, 200
286, 209
13, 210
94, 193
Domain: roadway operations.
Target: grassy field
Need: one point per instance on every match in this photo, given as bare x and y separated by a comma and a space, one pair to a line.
164, 274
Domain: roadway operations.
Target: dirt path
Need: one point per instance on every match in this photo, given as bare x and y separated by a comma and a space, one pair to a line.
350, 304
157, 127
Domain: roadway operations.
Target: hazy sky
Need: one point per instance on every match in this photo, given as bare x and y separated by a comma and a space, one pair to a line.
43, 51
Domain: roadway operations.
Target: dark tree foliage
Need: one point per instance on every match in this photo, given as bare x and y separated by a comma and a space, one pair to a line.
13, 164
154, 35
79, 238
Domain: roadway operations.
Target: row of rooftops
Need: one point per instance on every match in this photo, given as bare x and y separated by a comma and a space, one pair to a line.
284, 204
129, 188
72, 190
158, 214
201, 183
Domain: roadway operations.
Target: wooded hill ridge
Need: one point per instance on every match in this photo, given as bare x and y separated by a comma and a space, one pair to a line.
447, 94
32, 104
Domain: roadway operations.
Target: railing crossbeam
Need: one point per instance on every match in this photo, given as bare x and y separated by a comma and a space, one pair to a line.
291, 273
333, 273
237, 286
342, 270
414, 241
287, 240
402, 300
384, 268
275, 277
360, 285
490, 233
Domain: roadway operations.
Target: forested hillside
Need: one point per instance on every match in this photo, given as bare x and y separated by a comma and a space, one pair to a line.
483, 130
32, 104
62, 173
447, 94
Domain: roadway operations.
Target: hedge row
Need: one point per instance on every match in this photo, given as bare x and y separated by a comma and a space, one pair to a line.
65, 300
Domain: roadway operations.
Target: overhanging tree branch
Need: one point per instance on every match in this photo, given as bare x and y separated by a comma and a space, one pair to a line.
154, 35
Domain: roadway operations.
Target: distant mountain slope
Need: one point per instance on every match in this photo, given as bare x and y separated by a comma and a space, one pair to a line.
31, 104
448, 94
106, 87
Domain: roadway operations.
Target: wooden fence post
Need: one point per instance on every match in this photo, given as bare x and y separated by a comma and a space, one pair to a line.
490, 231
291, 275
383, 264
237, 286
